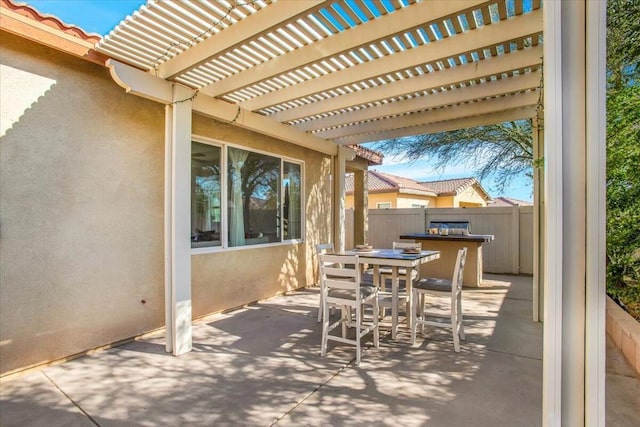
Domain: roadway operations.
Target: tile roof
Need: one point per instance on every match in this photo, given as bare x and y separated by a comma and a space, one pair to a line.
26, 22
379, 182
407, 185
383, 182
450, 187
49, 20
508, 201
373, 157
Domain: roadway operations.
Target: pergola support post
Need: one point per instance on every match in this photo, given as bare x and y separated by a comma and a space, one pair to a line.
360, 207
340, 168
574, 126
178, 222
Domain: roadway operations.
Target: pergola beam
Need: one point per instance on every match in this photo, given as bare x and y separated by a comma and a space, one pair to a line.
488, 36
237, 116
444, 126
431, 116
420, 14
145, 85
420, 103
266, 20
526, 58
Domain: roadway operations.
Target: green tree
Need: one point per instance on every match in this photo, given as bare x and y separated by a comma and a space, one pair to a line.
623, 42
623, 153
503, 150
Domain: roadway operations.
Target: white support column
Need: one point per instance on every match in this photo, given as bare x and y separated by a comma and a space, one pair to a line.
168, 241
178, 241
360, 207
552, 332
574, 328
538, 219
344, 154
595, 337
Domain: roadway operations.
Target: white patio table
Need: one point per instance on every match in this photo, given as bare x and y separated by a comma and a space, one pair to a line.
396, 259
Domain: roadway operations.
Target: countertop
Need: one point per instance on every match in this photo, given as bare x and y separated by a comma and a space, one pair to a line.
451, 237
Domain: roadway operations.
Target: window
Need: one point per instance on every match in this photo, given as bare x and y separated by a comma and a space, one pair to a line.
384, 205
254, 198
259, 200
206, 190
291, 205
418, 205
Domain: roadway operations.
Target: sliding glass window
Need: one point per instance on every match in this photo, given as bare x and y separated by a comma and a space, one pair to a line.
250, 198
253, 197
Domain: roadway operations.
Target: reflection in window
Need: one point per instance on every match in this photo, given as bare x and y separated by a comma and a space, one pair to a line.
254, 198
291, 209
205, 195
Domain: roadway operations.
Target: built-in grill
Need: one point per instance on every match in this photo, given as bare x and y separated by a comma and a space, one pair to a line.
445, 228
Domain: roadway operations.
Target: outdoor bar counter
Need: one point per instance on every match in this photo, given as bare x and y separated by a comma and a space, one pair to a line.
448, 247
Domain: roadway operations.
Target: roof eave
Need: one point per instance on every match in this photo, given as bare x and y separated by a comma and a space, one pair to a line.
24, 21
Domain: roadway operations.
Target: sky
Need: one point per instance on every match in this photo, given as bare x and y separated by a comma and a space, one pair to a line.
93, 16
101, 16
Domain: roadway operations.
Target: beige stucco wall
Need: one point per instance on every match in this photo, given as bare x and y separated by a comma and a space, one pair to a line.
446, 202
232, 277
470, 197
407, 201
374, 199
81, 208
82, 213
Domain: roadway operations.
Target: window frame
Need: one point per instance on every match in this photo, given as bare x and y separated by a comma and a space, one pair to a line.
224, 229
384, 203
303, 221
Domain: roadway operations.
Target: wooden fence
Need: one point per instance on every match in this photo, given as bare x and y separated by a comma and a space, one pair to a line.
511, 252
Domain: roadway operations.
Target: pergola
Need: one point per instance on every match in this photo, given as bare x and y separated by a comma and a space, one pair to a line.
332, 74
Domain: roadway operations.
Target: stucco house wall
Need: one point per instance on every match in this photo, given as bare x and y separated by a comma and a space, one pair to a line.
396, 200
81, 209
470, 197
82, 213
446, 202
406, 201
374, 199
232, 277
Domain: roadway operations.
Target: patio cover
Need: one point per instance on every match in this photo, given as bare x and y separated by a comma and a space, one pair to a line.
346, 71
324, 74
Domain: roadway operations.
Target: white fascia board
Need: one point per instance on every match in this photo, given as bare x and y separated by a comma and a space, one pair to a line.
370, 32
431, 116
490, 35
451, 97
261, 22
236, 116
526, 58
447, 125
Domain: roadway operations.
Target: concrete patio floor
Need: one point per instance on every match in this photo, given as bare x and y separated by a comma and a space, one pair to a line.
260, 366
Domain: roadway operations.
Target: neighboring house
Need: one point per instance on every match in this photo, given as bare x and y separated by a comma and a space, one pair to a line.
508, 201
391, 191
